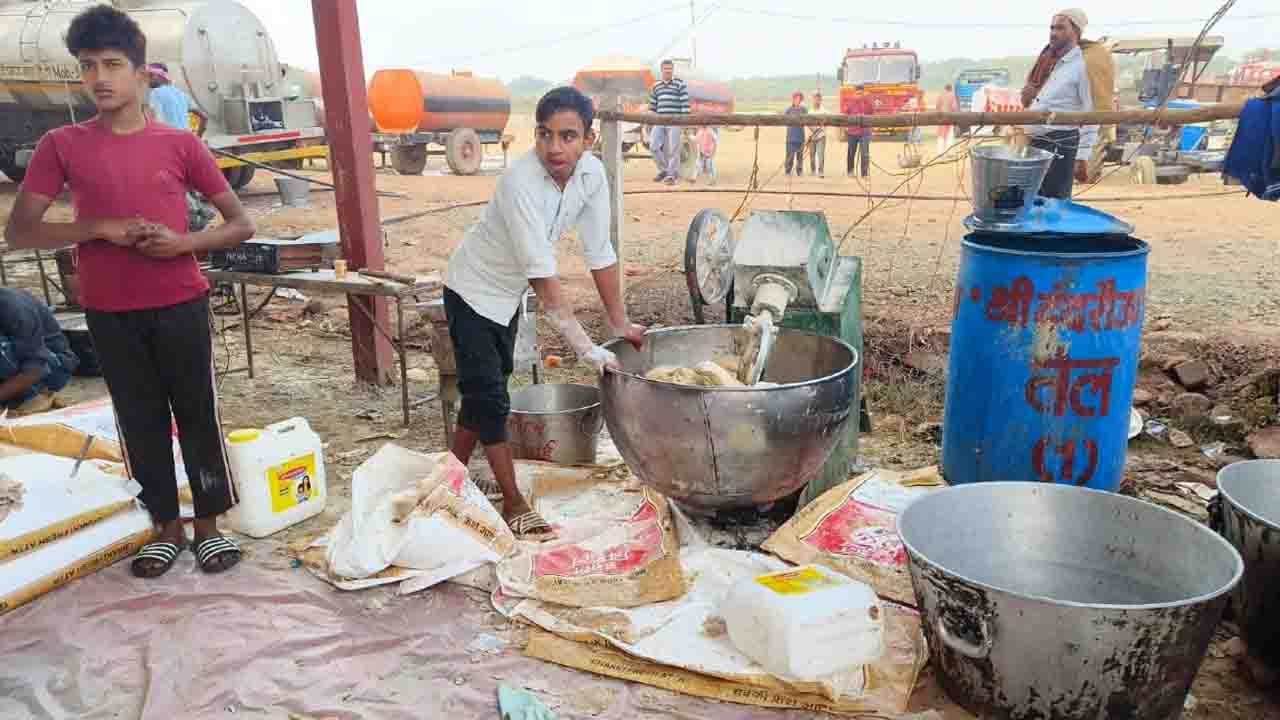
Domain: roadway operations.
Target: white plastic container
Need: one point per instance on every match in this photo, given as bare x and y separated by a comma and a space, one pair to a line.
805, 623
279, 476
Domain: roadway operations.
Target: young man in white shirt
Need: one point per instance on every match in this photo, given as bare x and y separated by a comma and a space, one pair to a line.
556, 186
1067, 90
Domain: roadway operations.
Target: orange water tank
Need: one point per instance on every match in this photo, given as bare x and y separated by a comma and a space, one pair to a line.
403, 101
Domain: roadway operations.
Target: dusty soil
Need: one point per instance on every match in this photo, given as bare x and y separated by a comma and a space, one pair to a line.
1211, 295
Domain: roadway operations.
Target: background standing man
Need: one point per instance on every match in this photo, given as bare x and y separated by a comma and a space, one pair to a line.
145, 299
947, 102
669, 96
818, 142
1101, 66
170, 104
173, 107
1059, 82
859, 137
795, 135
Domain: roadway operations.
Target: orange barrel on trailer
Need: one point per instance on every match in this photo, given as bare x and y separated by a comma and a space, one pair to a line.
708, 96
405, 101
628, 78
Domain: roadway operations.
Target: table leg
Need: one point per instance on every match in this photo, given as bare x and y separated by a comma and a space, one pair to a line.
402, 347
44, 279
244, 318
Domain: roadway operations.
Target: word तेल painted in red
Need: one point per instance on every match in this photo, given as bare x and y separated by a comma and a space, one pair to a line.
1106, 309
1066, 391
1066, 452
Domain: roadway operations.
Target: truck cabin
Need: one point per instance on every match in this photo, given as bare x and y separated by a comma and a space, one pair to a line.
879, 65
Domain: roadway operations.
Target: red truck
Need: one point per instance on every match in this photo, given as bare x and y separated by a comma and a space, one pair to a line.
888, 75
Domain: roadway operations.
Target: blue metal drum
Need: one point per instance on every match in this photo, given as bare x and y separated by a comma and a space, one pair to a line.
1044, 357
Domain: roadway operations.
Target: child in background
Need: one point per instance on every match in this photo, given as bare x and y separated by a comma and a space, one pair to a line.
708, 140
689, 156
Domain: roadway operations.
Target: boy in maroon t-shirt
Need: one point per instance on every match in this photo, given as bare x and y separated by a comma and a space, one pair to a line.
146, 301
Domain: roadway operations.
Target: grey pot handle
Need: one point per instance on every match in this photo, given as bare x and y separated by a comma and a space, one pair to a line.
968, 648
591, 423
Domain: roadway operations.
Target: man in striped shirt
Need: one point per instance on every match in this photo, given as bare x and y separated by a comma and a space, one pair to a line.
670, 96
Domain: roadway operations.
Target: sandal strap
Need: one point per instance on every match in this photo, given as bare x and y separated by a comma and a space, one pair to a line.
165, 552
213, 547
529, 523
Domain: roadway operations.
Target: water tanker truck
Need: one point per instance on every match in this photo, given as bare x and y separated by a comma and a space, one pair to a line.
217, 51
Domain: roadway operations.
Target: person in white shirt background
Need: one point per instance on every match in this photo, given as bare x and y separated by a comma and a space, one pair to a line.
554, 187
1066, 90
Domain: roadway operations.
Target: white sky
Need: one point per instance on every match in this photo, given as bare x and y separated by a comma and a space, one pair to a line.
553, 38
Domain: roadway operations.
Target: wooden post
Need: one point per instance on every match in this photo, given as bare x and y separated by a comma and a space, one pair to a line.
346, 105
614, 170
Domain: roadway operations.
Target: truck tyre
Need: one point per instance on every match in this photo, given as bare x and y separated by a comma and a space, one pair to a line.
409, 159
12, 171
463, 152
626, 147
239, 176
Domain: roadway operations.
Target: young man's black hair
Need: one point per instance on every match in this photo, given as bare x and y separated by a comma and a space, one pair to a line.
565, 98
106, 28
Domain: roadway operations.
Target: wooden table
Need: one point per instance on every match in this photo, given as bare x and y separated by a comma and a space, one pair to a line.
323, 282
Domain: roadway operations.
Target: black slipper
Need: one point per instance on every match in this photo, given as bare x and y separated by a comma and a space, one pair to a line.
162, 552
216, 547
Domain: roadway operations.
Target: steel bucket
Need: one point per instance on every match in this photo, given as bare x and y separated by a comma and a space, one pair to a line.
1053, 602
1005, 181
1251, 521
556, 423
294, 192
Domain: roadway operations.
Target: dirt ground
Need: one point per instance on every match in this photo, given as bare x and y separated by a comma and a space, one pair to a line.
1211, 295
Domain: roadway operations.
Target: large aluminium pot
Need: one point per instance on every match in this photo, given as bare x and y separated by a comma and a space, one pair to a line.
720, 448
1053, 602
1251, 521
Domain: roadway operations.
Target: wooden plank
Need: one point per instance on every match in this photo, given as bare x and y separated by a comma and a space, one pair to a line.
613, 170
928, 119
323, 281
346, 102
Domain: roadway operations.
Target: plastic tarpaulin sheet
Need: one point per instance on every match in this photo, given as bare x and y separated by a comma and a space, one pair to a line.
270, 641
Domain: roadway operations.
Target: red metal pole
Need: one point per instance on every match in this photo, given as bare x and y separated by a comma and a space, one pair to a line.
351, 156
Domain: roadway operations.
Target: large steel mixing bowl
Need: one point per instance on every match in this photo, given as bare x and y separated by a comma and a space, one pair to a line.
718, 448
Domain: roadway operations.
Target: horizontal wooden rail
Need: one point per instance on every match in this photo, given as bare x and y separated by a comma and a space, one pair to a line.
928, 119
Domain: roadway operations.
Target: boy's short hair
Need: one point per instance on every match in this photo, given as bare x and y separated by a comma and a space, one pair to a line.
103, 27
565, 98
668, 62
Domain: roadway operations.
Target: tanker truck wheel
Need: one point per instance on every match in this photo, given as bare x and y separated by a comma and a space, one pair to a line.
463, 152
409, 159
12, 171
239, 176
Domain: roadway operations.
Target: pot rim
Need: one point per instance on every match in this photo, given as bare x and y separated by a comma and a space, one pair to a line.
851, 367
590, 406
914, 553
1239, 506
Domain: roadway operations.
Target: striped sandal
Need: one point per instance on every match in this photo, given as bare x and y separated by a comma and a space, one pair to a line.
216, 554
154, 559
530, 525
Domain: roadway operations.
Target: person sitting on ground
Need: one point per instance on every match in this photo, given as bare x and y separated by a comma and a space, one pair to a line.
795, 135
556, 186
36, 360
